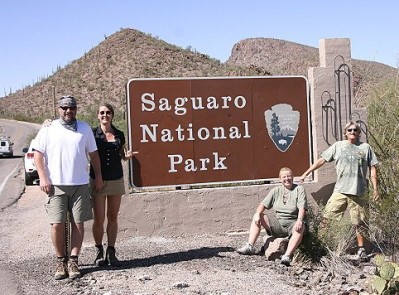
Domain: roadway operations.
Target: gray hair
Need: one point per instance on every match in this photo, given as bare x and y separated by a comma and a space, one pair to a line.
351, 123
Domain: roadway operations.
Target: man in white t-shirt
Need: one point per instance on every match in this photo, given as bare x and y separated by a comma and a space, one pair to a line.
61, 157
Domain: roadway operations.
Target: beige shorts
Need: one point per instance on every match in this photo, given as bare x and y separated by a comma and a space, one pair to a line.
338, 203
111, 188
74, 199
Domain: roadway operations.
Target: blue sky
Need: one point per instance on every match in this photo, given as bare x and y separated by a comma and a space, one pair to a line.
37, 36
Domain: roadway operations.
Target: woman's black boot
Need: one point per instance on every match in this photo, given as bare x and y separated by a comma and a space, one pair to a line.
110, 257
99, 261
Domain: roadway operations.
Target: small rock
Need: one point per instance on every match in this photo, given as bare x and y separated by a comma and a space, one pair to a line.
144, 278
304, 277
371, 270
353, 289
92, 281
180, 285
316, 279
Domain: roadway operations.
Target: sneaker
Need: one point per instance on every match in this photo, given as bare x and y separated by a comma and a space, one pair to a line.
248, 249
99, 261
61, 271
110, 257
362, 255
286, 260
73, 269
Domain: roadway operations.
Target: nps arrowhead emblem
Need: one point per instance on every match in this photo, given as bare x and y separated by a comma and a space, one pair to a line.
282, 125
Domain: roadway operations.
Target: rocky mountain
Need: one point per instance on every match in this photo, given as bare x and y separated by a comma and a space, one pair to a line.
102, 73
280, 57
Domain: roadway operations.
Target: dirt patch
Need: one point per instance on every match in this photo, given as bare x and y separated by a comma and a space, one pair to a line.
153, 265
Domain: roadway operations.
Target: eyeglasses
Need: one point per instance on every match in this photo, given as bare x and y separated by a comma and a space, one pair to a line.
105, 112
352, 130
66, 108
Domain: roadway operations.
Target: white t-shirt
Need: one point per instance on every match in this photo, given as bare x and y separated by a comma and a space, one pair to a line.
66, 152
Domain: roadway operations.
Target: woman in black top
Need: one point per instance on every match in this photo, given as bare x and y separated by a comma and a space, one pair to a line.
112, 150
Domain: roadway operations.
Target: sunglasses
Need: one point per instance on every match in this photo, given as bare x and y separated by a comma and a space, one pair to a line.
352, 130
66, 108
105, 112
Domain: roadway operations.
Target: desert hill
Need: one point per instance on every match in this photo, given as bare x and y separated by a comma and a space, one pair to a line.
280, 57
102, 73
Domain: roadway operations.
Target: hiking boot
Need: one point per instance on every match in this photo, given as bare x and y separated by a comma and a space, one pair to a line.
362, 255
99, 261
110, 257
248, 249
61, 271
286, 260
73, 269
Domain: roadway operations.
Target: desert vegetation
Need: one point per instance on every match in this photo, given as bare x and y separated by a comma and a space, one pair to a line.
329, 246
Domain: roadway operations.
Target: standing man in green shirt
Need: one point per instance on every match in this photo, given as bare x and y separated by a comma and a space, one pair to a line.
353, 159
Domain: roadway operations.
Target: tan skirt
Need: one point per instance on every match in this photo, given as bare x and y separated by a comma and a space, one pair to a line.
111, 188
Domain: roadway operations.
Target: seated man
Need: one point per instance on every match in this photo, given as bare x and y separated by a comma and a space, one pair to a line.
289, 203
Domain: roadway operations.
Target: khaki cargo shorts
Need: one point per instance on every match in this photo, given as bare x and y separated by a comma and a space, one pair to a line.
338, 203
73, 198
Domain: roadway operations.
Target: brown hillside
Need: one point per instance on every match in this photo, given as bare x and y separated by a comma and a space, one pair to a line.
102, 73
281, 57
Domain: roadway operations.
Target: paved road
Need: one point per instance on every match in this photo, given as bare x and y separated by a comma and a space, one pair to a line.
11, 179
11, 169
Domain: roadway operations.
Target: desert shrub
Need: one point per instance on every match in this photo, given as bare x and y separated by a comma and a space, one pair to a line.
312, 248
384, 229
383, 131
25, 118
338, 236
325, 239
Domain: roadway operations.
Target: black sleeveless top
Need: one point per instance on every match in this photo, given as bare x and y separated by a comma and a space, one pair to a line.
109, 152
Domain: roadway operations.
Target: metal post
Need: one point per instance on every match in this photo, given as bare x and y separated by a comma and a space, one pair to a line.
54, 111
68, 236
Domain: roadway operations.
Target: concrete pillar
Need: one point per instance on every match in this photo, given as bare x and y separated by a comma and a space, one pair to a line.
324, 83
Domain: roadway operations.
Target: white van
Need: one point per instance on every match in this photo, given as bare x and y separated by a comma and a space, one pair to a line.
6, 147
31, 175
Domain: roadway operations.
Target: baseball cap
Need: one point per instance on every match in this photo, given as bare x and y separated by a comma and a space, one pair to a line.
67, 101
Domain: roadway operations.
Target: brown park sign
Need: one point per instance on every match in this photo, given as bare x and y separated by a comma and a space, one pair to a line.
191, 131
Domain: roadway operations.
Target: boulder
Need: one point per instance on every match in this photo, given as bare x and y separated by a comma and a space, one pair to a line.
274, 247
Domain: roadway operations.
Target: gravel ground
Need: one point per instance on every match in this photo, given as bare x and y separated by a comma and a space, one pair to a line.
151, 265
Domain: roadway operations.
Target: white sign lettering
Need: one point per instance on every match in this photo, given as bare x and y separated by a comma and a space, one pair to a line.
149, 103
190, 165
151, 133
